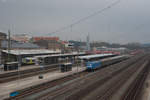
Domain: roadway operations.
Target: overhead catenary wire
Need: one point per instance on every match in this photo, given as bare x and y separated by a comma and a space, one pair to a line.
87, 17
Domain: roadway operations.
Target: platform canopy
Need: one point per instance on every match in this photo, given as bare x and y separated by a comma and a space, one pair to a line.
62, 55
28, 52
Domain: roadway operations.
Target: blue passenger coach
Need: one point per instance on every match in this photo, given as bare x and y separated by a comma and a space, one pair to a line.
93, 61
93, 64
96, 61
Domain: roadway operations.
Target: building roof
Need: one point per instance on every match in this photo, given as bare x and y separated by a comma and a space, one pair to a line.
64, 42
19, 45
28, 52
21, 39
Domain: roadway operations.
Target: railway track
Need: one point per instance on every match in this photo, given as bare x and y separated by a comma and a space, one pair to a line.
70, 86
40, 87
118, 81
26, 73
106, 91
135, 88
7, 77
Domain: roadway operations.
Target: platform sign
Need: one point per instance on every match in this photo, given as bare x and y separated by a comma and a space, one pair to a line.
14, 94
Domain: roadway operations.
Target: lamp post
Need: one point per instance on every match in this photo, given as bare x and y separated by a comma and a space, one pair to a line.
19, 65
77, 60
42, 67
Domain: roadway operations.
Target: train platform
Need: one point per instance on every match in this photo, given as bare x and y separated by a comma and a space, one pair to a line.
7, 88
22, 68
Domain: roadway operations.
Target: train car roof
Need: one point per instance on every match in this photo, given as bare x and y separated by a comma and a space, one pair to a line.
95, 56
66, 64
113, 57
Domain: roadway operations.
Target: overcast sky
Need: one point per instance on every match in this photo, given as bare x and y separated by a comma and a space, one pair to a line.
128, 21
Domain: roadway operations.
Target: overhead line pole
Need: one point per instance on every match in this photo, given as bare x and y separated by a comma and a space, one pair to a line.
9, 46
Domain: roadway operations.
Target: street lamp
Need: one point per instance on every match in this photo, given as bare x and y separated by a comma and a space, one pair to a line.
41, 63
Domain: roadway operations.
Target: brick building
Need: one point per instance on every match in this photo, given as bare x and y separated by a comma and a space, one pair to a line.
51, 43
35, 39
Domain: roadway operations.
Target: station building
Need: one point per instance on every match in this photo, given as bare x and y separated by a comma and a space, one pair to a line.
14, 55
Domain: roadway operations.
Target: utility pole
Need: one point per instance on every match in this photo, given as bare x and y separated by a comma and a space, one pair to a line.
9, 46
88, 43
19, 65
77, 60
